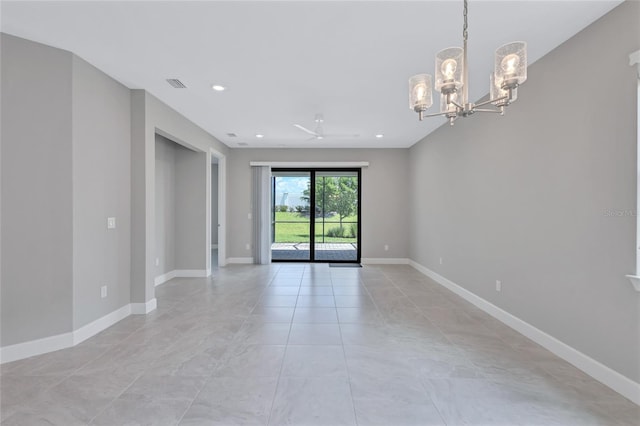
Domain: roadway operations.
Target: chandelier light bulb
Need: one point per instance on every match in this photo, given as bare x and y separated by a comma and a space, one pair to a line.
448, 68
510, 63
449, 65
420, 97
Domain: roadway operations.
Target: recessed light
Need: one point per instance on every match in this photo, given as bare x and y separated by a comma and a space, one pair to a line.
218, 88
379, 136
259, 136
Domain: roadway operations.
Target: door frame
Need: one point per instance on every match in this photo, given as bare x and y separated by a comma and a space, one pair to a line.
222, 209
312, 203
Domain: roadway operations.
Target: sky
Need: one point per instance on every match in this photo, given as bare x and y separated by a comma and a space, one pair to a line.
294, 186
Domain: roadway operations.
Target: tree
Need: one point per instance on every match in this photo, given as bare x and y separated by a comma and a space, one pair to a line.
334, 194
345, 200
326, 189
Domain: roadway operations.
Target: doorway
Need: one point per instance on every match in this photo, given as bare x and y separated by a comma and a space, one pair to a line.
315, 215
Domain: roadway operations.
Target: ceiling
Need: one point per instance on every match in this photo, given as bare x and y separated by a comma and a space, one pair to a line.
283, 62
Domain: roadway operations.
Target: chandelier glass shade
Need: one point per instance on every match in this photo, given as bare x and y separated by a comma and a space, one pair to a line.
452, 81
420, 94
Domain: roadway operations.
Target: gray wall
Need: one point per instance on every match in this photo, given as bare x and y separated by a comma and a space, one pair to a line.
524, 198
143, 252
214, 204
65, 169
101, 189
384, 198
191, 210
165, 204
36, 191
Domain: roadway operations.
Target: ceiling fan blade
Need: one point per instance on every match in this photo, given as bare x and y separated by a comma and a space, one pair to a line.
336, 135
304, 129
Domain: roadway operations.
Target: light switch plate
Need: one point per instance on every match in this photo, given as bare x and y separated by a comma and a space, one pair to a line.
111, 223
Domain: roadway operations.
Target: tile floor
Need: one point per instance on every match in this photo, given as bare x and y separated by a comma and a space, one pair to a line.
298, 344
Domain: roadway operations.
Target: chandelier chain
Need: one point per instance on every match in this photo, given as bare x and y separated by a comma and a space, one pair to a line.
466, 25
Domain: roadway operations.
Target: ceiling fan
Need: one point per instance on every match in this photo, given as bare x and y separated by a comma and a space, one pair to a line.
318, 132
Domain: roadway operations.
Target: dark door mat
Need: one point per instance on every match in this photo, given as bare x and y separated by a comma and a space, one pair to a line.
345, 265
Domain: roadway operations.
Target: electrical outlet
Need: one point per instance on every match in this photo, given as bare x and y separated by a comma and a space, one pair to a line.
498, 285
111, 223
157, 261
248, 246
386, 247
249, 216
441, 261
103, 291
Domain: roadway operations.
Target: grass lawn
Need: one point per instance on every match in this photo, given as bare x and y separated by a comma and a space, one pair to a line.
296, 228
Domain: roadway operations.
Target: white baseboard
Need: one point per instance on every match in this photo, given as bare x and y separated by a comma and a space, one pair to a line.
35, 347
616, 381
95, 327
243, 260
181, 273
384, 261
190, 273
161, 279
144, 308
635, 281
66, 340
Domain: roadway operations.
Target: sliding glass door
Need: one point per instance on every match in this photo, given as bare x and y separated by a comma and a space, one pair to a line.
328, 232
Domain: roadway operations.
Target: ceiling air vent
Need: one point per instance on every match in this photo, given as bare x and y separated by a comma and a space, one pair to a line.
175, 83
243, 144
232, 135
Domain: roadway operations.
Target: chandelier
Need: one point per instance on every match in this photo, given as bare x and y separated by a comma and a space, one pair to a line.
452, 81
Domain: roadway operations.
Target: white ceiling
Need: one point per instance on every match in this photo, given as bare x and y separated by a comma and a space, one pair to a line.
283, 62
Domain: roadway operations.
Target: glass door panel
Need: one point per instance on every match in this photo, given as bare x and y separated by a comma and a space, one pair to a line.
291, 215
336, 216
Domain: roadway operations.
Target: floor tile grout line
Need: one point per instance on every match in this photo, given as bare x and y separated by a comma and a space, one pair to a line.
344, 354
115, 398
374, 303
286, 348
206, 382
